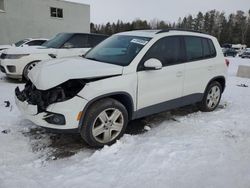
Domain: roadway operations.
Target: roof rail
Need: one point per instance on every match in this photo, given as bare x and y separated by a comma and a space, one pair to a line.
179, 29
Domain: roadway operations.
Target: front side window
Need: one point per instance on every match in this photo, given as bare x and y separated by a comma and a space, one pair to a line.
168, 50
56, 12
21, 42
2, 5
35, 43
118, 49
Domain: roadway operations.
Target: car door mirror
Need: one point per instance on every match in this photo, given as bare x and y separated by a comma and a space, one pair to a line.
153, 64
68, 45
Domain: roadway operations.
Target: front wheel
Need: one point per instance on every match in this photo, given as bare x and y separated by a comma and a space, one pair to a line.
211, 98
105, 122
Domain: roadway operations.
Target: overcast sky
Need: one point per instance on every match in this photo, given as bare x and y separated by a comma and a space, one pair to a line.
103, 11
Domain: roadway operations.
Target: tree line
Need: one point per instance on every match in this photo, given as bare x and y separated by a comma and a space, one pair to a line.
234, 28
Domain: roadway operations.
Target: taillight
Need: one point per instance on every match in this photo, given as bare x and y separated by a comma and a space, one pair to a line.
227, 62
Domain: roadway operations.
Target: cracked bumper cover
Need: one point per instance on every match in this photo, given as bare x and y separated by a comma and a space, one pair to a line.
69, 109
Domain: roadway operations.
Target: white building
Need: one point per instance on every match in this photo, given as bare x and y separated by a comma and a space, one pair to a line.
41, 18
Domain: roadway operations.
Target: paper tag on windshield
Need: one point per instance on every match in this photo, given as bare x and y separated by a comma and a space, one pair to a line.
139, 41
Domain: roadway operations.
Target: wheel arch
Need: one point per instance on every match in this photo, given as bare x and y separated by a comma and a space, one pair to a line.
220, 79
123, 97
35, 61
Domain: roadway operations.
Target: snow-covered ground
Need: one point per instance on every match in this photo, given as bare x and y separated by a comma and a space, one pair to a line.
183, 148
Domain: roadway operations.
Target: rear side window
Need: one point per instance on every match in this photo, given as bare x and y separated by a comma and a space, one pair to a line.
198, 48
167, 50
193, 48
77, 41
206, 48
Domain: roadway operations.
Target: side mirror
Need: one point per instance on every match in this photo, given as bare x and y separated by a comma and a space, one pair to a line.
153, 64
68, 45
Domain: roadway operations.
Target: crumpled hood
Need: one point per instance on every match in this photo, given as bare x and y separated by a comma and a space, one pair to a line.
29, 50
48, 74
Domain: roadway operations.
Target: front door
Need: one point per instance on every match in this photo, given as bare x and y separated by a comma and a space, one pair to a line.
158, 89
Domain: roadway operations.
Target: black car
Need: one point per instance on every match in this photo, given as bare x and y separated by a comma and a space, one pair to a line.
245, 54
230, 52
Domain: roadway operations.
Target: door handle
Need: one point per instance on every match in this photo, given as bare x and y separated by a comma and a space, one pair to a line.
179, 74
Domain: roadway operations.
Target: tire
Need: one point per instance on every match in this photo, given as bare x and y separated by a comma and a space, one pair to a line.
99, 128
27, 69
211, 98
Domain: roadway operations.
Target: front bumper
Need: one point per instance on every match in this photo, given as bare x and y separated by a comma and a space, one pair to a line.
69, 109
13, 68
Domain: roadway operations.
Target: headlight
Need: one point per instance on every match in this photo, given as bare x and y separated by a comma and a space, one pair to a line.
15, 56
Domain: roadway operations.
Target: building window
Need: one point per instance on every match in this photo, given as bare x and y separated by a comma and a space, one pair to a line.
56, 12
2, 5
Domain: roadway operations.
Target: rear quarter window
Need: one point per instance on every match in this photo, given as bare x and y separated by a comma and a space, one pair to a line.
212, 48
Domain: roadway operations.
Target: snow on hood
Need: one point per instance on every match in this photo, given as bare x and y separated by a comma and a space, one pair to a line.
48, 74
29, 50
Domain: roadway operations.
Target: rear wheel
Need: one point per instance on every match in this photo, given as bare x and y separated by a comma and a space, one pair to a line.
105, 122
28, 68
211, 98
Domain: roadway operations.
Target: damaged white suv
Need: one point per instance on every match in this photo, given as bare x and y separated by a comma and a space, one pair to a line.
128, 76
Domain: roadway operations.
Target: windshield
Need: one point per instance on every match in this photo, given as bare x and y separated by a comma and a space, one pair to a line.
19, 43
118, 49
57, 41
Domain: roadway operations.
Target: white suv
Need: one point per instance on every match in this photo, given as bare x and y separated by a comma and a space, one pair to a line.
17, 62
128, 76
24, 42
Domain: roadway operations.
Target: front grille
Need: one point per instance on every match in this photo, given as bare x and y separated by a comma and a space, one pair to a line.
3, 56
2, 69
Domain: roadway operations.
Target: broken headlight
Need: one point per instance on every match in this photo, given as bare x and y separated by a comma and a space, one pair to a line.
43, 99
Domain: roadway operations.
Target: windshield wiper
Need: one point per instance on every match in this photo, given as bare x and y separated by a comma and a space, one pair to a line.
94, 59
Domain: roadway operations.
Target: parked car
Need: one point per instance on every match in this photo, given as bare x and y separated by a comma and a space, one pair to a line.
230, 52
128, 76
25, 42
246, 54
17, 62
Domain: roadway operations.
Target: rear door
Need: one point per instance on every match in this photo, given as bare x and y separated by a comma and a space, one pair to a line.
199, 65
